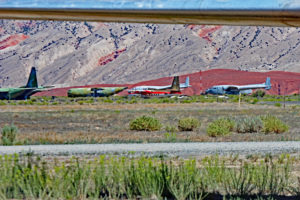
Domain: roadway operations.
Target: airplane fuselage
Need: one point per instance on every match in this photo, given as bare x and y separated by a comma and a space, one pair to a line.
155, 93
94, 92
238, 89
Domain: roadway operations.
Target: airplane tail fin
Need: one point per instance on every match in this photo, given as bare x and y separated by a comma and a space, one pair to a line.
32, 80
187, 82
268, 83
175, 84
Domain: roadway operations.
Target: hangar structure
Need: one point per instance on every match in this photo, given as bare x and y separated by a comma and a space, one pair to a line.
222, 12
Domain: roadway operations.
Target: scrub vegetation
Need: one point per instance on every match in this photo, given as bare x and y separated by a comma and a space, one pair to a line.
254, 124
8, 134
109, 177
258, 97
188, 124
220, 127
145, 123
113, 122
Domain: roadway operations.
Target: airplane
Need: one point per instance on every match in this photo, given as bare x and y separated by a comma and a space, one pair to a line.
159, 91
94, 92
165, 87
238, 89
22, 93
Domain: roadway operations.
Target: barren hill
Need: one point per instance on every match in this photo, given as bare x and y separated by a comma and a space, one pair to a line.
79, 53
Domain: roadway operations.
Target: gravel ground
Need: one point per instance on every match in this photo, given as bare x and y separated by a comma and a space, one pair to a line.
169, 149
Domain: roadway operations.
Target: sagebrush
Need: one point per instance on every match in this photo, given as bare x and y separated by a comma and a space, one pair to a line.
145, 123
220, 127
9, 133
188, 124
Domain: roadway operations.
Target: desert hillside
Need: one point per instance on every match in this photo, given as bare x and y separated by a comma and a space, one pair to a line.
79, 53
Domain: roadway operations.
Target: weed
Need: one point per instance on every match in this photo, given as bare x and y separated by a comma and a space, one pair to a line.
254, 101
110, 177
220, 127
248, 124
258, 93
170, 137
9, 134
271, 124
170, 128
145, 123
181, 180
277, 104
188, 124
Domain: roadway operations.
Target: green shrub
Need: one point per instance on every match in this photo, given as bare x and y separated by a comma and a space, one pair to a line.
248, 125
277, 104
188, 124
145, 123
170, 128
271, 124
254, 101
220, 127
170, 137
80, 102
259, 93
107, 100
9, 134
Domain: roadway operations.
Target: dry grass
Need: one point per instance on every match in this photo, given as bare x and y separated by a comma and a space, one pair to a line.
106, 123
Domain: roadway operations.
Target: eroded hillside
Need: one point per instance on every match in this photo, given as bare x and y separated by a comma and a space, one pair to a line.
78, 53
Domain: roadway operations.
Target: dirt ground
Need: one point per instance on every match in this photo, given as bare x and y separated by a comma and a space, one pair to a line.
109, 123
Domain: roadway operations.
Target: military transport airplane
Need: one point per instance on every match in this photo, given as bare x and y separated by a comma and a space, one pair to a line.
237, 89
159, 91
23, 92
165, 87
94, 92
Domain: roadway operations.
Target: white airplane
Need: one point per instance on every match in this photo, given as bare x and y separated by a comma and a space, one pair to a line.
147, 87
237, 89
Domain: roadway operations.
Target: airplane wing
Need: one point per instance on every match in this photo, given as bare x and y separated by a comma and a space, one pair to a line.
226, 12
159, 87
254, 86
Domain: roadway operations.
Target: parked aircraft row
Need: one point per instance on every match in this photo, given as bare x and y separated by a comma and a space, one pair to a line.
174, 89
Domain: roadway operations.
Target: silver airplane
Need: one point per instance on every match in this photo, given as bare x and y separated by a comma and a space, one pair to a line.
238, 89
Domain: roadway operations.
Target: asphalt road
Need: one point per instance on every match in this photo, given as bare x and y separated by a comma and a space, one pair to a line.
169, 149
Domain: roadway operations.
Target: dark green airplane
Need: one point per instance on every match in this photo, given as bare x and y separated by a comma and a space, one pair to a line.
94, 92
23, 92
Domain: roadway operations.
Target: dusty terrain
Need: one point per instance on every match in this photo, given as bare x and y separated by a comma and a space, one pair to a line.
109, 123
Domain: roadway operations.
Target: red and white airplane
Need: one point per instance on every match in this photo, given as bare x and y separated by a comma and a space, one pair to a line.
160, 91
